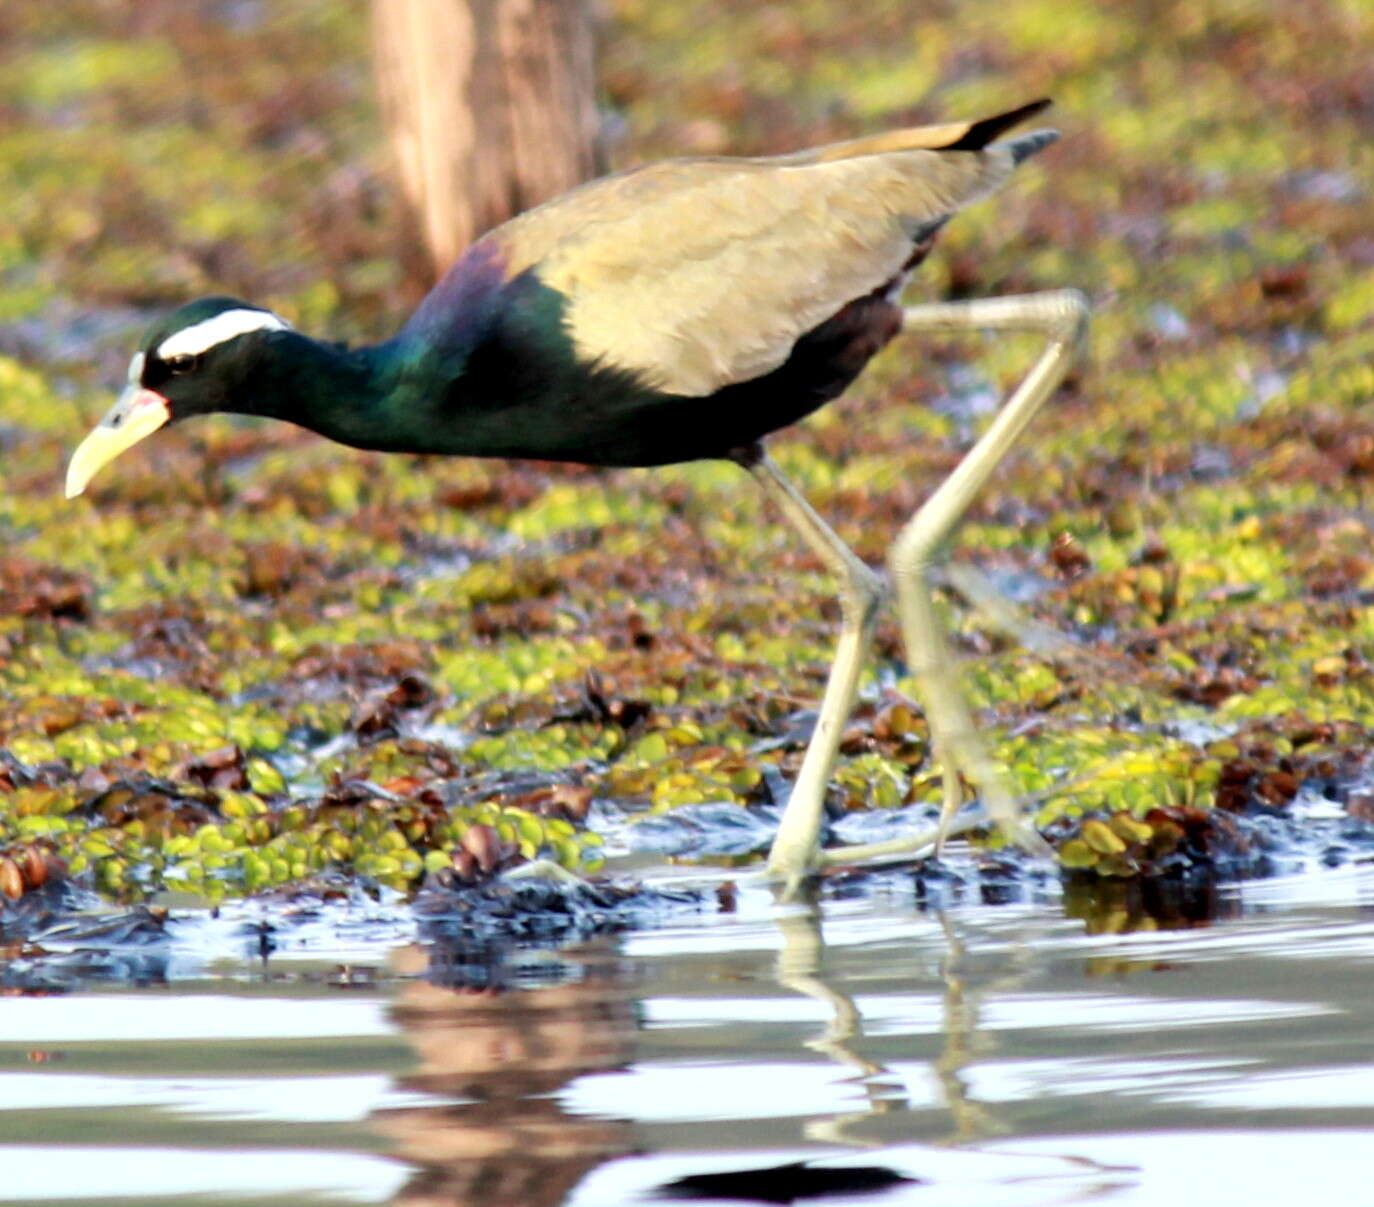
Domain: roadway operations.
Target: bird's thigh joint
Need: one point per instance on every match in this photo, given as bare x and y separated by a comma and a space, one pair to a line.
866, 589
859, 608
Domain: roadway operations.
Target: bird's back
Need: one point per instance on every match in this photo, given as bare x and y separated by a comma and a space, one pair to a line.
694, 278
699, 273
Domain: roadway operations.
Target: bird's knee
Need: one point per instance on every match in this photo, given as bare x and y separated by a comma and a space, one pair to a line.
1074, 313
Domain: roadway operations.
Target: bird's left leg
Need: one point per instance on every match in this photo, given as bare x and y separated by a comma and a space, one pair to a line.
796, 848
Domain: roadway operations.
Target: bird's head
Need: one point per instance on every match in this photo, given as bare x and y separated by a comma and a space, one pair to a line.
198, 359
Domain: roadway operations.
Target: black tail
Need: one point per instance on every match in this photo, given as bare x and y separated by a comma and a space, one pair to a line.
980, 133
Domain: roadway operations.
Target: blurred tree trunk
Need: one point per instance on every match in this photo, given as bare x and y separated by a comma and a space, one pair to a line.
490, 106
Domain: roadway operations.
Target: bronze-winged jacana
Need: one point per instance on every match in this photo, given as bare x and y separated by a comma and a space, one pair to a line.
677, 311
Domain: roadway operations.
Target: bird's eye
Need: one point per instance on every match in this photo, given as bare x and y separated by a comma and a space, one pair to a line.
181, 364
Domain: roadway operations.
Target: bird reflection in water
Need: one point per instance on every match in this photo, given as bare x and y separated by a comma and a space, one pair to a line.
507, 1141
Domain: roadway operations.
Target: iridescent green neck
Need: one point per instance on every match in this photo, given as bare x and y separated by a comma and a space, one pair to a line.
357, 396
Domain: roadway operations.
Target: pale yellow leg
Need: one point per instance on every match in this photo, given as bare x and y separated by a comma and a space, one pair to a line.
1061, 316
796, 849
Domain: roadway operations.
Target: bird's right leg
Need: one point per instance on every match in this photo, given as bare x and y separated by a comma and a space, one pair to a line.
795, 853
1061, 318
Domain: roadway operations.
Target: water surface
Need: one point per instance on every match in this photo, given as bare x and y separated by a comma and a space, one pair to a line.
983, 1055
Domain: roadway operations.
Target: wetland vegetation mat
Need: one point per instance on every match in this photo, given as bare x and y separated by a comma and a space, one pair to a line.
249, 657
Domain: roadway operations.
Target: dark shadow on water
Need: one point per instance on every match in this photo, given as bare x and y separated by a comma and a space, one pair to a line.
795, 1182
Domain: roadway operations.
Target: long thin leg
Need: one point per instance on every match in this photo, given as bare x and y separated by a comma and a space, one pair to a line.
1061, 316
795, 851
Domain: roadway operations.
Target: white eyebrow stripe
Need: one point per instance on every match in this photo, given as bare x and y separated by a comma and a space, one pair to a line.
202, 336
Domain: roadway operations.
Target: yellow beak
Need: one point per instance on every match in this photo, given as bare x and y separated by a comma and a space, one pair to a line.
137, 414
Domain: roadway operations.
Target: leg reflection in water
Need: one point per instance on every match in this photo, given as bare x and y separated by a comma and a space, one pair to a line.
800, 969
886, 1114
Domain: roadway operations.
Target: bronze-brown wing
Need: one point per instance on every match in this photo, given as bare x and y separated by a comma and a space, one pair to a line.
696, 274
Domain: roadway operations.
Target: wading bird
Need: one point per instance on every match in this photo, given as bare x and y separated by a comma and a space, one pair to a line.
673, 312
